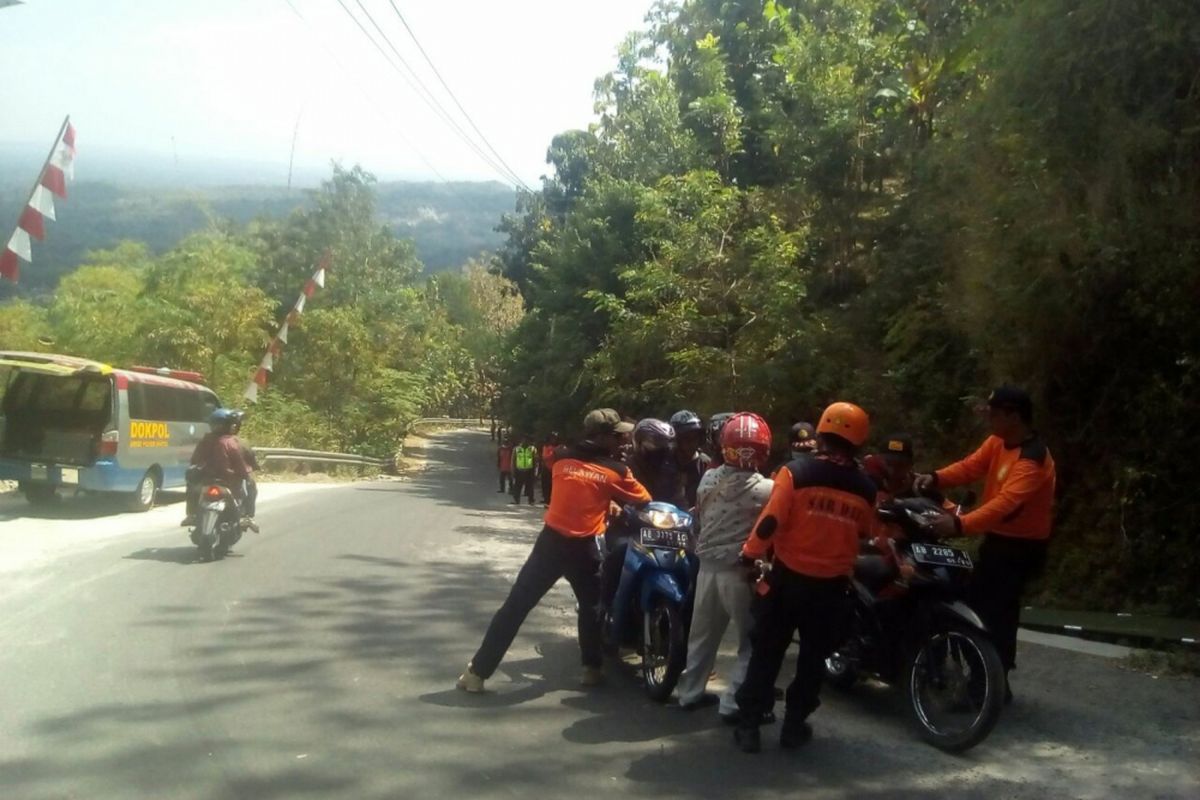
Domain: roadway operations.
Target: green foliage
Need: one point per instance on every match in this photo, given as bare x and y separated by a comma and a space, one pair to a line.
374, 350
902, 203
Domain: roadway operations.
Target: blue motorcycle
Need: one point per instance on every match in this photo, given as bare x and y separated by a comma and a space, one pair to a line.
652, 604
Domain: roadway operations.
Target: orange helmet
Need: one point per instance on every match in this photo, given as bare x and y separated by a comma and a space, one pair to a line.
746, 441
847, 421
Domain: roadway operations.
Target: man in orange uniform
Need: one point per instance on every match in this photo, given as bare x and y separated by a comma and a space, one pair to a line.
587, 478
820, 507
546, 467
1015, 516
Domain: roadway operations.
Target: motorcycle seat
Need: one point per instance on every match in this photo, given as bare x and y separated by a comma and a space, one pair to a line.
873, 572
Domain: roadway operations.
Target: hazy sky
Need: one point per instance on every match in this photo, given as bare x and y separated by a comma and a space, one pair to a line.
228, 78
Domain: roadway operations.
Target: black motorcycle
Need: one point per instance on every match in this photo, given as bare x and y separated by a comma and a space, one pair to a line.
218, 523
912, 628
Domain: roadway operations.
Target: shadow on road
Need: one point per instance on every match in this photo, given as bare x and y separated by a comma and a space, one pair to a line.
361, 654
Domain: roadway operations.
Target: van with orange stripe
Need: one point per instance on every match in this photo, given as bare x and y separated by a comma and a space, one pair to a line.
69, 422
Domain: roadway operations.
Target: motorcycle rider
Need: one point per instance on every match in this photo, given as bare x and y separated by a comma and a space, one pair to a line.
652, 463
892, 468
220, 456
715, 423
731, 497
691, 461
1015, 516
587, 478
820, 506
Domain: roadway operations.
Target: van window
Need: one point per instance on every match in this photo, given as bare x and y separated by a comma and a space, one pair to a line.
169, 404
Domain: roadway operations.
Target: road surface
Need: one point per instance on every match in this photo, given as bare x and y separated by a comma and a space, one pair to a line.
319, 661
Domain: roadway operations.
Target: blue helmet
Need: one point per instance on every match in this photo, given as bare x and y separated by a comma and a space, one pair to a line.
225, 418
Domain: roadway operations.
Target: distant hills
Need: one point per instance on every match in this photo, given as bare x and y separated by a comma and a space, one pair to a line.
448, 222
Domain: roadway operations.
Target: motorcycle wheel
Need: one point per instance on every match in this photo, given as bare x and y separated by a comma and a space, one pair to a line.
206, 552
954, 684
664, 649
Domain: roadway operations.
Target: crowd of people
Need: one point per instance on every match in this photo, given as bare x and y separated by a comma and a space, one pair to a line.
807, 512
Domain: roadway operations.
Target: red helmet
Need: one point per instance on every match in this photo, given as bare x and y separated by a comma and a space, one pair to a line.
746, 441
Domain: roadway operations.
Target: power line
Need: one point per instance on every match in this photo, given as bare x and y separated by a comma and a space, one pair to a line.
399, 129
421, 92
450, 92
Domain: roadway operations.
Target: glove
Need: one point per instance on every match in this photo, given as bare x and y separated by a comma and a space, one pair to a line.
925, 482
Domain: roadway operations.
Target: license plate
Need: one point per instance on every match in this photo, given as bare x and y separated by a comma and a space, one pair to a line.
39, 472
658, 537
941, 556
70, 476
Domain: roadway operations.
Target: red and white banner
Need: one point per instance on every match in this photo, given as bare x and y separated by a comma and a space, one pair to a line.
31, 224
275, 348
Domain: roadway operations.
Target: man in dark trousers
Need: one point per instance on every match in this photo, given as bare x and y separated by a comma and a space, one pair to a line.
524, 459
1015, 516
587, 478
821, 505
504, 462
546, 466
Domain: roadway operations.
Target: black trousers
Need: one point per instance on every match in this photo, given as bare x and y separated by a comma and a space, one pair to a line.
504, 480
819, 608
554, 556
1006, 564
547, 484
522, 482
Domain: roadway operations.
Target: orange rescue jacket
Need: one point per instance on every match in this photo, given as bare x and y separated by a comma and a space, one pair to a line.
586, 479
816, 515
1018, 489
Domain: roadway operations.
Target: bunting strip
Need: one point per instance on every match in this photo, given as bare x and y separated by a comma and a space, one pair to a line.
58, 168
275, 348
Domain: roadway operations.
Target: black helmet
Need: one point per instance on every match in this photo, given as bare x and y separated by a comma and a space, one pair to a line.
685, 420
715, 423
652, 435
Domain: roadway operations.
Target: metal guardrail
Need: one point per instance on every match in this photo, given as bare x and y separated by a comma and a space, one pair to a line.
445, 421
320, 457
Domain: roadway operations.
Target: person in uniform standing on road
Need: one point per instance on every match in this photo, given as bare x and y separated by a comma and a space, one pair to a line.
524, 463
821, 506
587, 478
504, 463
546, 466
1015, 516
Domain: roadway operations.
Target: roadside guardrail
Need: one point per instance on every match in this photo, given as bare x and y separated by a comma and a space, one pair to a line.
269, 454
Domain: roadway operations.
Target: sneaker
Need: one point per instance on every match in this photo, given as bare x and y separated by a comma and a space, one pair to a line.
705, 700
249, 522
748, 739
797, 735
469, 681
188, 521
591, 676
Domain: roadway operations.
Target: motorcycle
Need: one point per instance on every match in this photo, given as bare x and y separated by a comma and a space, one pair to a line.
218, 523
651, 608
911, 627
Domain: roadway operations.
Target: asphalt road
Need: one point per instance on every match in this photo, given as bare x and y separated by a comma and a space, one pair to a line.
319, 661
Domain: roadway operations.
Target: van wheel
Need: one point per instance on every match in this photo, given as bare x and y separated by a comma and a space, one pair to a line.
143, 496
41, 494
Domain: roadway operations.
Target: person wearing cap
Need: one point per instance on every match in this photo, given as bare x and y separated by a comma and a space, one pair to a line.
892, 467
802, 439
587, 478
820, 507
1015, 515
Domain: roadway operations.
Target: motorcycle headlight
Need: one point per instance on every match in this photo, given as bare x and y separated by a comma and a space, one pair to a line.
661, 518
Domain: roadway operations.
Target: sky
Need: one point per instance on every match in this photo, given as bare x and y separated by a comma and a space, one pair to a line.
192, 81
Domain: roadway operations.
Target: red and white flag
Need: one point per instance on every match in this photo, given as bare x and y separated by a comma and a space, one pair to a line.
31, 224
267, 365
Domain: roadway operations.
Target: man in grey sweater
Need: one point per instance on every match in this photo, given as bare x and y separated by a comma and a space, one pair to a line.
728, 503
